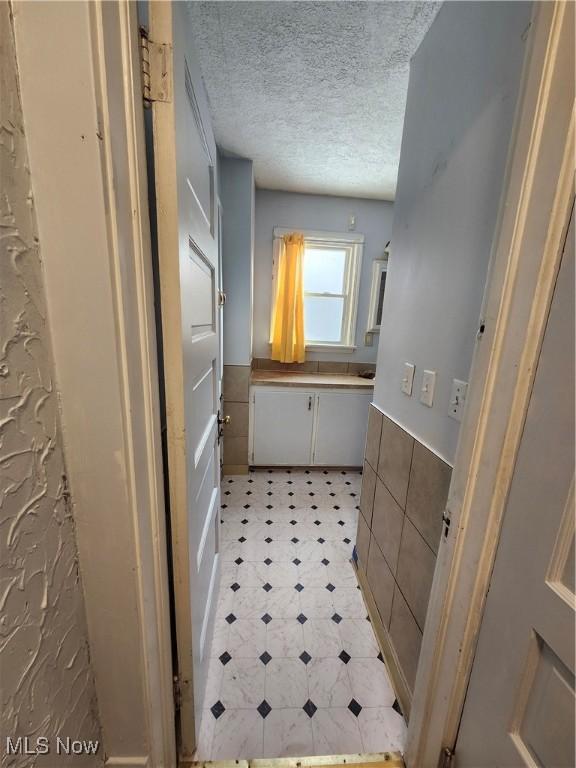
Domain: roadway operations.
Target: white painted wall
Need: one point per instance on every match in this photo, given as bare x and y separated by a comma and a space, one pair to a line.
463, 88
298, 211
236, 182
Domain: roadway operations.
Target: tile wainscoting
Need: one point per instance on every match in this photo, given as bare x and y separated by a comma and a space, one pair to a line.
313, 366
236, 388
404, 491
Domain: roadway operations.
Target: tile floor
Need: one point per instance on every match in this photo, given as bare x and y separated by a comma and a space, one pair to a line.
295, 669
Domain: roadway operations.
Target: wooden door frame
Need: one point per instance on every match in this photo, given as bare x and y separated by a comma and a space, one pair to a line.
524, 266
525, 260
85, 132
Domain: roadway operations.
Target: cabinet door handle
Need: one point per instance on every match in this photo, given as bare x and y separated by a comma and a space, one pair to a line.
310, 403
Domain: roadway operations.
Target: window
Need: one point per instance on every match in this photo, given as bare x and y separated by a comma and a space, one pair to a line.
331, 279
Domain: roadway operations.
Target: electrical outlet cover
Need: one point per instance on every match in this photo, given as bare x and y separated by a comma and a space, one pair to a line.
427, 390
457, 399
408, 378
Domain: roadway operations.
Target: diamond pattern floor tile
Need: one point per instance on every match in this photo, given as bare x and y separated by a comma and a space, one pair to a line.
297, 667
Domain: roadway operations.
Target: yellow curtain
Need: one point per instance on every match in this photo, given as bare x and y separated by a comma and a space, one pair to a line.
288, 315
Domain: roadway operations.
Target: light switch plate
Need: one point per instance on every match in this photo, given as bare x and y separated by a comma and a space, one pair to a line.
427, 390
408, 378
457, 399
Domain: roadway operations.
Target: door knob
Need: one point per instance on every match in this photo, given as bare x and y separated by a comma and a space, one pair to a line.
225, 420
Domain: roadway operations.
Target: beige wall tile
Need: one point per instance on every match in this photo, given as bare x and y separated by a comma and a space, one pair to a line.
238, 413
381, 582
325, 366
362, 542
406, 637
265, 364
373, 436
367, 494
235, 450
236, 383
415, 571
394, 460
360, 367
427, 493
387, 522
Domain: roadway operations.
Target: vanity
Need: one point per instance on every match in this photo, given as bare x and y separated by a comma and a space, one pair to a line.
304, 419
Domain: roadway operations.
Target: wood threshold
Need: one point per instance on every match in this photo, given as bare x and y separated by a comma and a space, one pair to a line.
368, 760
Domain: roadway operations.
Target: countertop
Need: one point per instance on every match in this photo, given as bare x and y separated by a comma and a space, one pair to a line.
321, 380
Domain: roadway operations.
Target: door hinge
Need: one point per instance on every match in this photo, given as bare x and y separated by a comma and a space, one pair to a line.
446, 758
446, 522
156, 66
177, 692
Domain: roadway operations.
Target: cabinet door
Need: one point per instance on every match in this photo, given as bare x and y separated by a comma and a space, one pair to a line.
282, 424
341, 428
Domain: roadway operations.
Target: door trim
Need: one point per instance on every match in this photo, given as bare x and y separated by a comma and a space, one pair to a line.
85, 131
524, 265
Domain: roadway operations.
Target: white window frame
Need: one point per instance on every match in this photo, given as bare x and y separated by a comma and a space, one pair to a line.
353, 243
379, 266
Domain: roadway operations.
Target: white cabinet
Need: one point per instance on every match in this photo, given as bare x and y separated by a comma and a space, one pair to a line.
341, 423
282, 423
294, 427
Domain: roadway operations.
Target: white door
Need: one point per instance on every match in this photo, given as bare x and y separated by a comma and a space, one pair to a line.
342, 421
282, 424
519, 709
185, 156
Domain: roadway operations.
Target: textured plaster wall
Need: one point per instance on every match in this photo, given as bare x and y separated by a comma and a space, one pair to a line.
46, 681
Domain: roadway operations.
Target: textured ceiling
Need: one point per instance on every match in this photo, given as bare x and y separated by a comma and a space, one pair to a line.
313, 92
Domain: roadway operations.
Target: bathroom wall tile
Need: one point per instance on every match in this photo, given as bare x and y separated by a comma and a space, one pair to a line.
381, 582
415, 571
406, 637
235, 450
396, 447
367, 494
266, 364
238, 413
332, 367
427, 493
361, 367
387, 522
236, 383
362, 542
373, 436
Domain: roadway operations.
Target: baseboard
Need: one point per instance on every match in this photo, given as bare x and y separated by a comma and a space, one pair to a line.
128, 762
401, 688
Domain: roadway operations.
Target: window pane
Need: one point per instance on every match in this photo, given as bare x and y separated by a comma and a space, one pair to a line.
323, 318
324, 270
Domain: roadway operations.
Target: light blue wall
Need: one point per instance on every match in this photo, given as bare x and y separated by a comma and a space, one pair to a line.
298, 211
236, 184
463, 88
